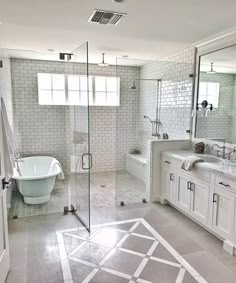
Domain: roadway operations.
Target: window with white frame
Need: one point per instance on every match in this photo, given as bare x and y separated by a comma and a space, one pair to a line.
60, 89
209, 91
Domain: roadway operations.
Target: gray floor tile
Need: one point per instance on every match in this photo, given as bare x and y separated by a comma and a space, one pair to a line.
71, 243
91, 252
104, 277
123, 262
137, 244
50, 273
157, 272
188, 278
108, 237
79, 272
161, 252
142, 230
210, 268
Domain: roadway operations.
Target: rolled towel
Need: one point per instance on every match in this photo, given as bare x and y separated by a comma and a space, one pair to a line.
189, 162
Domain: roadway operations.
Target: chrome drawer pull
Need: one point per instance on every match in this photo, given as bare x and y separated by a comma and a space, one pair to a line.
171, 177
168, 162
189, 186
226, 185
214, 195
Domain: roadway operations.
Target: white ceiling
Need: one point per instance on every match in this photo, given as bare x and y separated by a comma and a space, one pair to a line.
151, 30
224, 60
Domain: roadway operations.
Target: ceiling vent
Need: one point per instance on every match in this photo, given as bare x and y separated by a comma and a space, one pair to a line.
105, 17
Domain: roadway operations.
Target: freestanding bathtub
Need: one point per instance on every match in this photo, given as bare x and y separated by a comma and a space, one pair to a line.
35, 178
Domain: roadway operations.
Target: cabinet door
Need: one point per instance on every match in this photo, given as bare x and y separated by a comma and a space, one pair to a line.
223, 213
183, 198
168, 184
199, 201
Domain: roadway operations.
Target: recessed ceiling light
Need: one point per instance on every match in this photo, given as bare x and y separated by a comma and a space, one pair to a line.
119, 1
51, 50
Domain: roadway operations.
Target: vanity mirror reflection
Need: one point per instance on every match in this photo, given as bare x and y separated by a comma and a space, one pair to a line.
216, 103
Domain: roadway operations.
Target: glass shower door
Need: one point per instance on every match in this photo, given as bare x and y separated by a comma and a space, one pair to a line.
81, 159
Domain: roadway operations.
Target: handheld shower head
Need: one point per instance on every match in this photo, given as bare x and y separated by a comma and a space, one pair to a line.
146, 117
133, 86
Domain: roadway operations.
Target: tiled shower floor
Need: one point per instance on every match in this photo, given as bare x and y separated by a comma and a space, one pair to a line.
107, 190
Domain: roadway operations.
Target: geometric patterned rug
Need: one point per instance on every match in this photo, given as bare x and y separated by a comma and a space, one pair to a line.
122, 252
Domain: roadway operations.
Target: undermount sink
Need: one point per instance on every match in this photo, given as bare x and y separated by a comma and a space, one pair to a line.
230, 162
209, 158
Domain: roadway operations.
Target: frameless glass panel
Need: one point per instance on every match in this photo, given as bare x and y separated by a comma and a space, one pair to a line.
80, 154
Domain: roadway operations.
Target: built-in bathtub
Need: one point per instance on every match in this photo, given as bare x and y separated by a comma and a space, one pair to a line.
36, 176
136, 164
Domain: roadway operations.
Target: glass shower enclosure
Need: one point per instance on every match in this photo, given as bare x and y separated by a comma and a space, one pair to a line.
80, 158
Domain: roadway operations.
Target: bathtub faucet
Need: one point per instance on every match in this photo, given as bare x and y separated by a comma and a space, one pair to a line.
18, 157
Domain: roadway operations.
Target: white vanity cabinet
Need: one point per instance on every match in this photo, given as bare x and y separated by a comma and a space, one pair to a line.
183, 194
224, 200
204, 195
168, 180
192, 197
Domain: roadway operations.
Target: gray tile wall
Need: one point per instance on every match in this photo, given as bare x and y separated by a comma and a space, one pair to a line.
219, 124
44, 129
176, 96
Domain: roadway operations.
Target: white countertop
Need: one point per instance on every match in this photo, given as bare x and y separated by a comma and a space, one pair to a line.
215, 167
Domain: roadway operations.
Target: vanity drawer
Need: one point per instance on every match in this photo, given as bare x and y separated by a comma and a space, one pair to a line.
197, 173
224, 183
169, 162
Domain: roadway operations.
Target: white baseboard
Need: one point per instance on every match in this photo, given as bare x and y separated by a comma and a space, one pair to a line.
155, 198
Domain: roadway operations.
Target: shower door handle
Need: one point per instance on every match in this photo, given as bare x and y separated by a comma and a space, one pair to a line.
90, 163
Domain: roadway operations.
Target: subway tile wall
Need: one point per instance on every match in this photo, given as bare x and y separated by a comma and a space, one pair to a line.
50, 130
219, 125
175, 97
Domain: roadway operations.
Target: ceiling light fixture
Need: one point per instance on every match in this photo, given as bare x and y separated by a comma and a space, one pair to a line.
103, 64
212, 71
119, 1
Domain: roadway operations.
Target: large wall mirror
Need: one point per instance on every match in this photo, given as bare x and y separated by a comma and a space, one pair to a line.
216, 103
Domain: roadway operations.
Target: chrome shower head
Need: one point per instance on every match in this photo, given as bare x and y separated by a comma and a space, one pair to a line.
133, 86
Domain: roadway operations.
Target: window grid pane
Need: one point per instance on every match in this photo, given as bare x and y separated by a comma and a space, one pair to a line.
60, 89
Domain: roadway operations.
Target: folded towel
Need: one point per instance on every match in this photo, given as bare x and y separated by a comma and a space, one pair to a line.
189, 162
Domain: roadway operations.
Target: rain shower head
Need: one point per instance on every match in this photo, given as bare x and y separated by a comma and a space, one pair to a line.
133, 86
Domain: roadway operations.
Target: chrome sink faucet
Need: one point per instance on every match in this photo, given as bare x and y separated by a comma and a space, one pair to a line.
224, 154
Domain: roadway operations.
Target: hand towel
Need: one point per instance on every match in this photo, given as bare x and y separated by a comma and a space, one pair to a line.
189, 162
